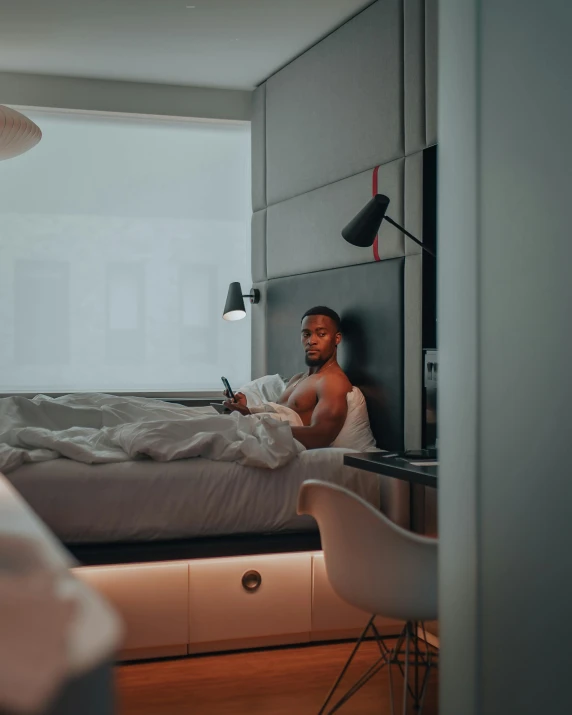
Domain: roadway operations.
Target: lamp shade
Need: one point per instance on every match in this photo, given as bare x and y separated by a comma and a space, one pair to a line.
234, 307
363, 228
17, 133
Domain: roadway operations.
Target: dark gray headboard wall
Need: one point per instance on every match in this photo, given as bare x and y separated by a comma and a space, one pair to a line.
364, 97
371, 351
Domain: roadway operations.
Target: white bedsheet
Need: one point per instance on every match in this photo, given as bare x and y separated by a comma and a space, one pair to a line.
133, 501
98, 429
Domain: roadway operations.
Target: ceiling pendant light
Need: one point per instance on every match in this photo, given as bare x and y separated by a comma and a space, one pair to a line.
17, 133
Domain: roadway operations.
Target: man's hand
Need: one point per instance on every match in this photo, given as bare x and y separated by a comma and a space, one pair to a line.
240, 404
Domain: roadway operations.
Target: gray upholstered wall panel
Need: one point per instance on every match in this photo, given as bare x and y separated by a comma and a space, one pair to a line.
337, 110
258, 247
258, 334
364, 95
413, 201
431, 69
305, 232
414, 75
412, 351
258, 148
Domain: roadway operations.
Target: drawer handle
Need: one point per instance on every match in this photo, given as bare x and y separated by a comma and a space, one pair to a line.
251, 581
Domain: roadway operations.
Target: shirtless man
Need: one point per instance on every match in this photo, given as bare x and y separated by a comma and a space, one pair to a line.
320, 395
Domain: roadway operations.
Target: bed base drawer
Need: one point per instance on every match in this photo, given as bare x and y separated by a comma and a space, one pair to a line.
254, 598
222, 604
152, 600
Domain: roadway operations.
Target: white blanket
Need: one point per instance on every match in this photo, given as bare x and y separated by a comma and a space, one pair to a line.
278, 412
97, 428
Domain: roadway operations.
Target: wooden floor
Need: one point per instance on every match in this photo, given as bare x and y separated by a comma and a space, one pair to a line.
290, 681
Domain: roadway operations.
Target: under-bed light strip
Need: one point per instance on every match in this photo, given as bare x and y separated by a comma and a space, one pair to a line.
373, 193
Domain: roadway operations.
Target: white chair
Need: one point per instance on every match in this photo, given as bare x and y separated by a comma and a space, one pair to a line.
385, 570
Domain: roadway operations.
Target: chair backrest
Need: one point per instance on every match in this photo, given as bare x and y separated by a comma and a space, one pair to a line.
372, 563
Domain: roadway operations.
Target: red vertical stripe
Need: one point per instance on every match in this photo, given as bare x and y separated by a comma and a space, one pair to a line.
373, 193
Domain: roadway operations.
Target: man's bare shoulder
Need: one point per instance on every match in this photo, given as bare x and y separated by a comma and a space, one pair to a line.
294, 379
336, 381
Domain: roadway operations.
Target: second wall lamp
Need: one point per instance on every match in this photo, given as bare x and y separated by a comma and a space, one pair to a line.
363, 228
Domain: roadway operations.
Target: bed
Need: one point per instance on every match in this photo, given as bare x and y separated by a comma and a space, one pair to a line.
173, 545
95, 508
146, 510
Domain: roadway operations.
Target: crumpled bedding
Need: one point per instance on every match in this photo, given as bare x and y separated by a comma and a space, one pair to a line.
100, 428
278, 412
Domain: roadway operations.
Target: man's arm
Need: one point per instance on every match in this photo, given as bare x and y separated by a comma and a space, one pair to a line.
328, 417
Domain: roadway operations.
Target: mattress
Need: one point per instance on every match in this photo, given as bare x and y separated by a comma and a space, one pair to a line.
146, 500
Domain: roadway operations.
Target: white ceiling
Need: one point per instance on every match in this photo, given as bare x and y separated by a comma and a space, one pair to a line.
217, 43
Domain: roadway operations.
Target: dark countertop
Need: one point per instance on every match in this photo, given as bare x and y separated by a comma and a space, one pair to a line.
397, 467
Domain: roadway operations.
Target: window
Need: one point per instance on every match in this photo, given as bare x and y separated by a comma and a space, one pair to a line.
119, 237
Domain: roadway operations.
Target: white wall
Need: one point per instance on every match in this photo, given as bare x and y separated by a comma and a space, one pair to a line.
505, 496
129, 97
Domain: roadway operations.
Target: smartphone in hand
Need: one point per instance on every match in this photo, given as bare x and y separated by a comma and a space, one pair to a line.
228, 388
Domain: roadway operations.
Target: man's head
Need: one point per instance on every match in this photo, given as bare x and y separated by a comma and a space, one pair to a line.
320, 335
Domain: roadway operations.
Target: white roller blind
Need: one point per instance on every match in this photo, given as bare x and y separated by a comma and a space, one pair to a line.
119, 237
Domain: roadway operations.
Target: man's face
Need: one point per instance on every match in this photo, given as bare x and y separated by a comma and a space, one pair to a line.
319, 339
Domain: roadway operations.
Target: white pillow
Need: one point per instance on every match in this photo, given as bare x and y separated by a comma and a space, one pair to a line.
356, 432
264, 389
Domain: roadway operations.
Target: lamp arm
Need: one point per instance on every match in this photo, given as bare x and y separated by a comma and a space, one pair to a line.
392, 222
254, 295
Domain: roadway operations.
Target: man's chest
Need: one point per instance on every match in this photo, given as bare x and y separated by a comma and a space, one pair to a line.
303, 396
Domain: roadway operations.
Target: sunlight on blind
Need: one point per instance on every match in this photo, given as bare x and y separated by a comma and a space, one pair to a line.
118, 240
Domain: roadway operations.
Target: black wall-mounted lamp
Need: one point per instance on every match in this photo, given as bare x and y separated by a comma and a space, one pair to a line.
363, 228
234, 307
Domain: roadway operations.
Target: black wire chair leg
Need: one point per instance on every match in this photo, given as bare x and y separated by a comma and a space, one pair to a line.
383, 649
346, 666
392, 657
424, 687
421, 659
406, 675
367, 676
417, 655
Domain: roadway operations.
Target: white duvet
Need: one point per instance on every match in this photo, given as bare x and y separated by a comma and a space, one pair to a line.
97, 428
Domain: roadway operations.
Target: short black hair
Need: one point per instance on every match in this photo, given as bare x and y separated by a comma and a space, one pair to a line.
328, 312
